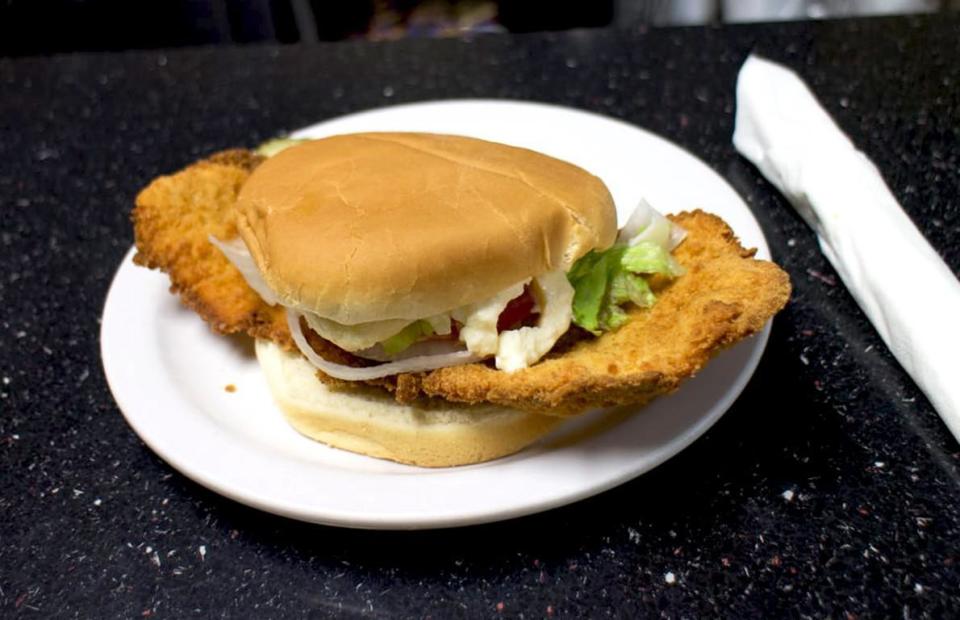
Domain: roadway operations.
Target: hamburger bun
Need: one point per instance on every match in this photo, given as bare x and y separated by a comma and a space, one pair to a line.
376, 226
371, 422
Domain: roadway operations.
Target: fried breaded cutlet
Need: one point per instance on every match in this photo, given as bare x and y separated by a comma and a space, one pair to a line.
173, 220
724, 296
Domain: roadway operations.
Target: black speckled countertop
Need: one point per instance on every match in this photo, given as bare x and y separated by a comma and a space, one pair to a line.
831, 488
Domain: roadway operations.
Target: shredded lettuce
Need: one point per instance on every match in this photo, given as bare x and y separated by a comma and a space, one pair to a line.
649, 257
406, 337
605, 281
590, 277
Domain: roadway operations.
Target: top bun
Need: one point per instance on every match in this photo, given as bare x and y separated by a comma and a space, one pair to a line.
375, 226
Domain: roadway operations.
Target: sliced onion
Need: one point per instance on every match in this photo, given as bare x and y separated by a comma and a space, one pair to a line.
677, 235
638, 220
238, 254
648, 224
354, 337
521, 347
349, 373
417, 349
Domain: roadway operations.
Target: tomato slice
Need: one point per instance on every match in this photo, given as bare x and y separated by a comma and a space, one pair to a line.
518, 310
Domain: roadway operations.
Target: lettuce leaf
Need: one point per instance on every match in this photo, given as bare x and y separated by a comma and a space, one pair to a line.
406, 337
605, 281
649, 257
590, 278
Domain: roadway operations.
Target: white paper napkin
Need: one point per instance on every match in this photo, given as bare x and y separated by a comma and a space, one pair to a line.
903, 286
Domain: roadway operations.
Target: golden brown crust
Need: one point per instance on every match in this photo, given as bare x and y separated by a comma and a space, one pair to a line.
725, 296
173, 218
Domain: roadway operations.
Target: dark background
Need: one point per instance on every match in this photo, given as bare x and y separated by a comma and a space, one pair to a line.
48, 26
830, 489
32, 26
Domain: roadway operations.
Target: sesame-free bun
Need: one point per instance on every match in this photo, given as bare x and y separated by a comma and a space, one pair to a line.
375, 226
371, 422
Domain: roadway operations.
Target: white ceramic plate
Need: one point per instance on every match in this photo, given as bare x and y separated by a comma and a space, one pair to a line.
169, 372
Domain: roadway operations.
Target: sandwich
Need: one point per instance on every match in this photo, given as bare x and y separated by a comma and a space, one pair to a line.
442, 300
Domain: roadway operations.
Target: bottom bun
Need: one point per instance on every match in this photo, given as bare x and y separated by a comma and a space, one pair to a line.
370, 422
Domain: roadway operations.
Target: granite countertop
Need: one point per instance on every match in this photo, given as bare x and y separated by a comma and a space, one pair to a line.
830, 488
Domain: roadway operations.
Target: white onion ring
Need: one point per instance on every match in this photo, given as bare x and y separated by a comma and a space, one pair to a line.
238, 254
350, 373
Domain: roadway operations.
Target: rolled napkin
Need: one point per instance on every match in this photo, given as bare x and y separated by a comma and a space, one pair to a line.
906, 290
